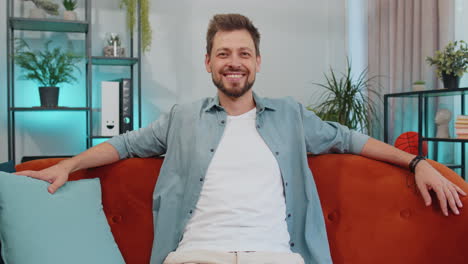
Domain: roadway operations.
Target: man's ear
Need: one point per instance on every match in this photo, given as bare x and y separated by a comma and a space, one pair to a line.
207, 63
259, 63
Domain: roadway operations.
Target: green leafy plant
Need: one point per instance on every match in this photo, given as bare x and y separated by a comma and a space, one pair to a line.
452, 60
146, 31
419, 83
48, 67
347, 101
69, 5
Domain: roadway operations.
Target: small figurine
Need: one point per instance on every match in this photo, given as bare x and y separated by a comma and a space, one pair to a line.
442, 119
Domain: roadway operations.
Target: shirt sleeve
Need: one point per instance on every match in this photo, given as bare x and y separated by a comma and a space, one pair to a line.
145, 142
323, 137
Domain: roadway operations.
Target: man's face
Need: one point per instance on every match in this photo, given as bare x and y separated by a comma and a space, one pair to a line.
233, 62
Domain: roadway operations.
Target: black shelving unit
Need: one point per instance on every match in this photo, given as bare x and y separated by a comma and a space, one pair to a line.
66, 26
423, 129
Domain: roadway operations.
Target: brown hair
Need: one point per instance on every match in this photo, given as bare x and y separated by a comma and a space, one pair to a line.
231, 22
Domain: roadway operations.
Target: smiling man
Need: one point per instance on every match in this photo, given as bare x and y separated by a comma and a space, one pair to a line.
235, 186
234, 61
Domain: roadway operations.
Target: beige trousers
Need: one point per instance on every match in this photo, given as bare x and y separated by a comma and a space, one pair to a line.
241, 257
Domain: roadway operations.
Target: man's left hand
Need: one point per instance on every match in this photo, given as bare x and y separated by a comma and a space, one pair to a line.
428, 178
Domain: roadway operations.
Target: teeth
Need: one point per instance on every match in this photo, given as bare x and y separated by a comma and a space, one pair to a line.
234, 76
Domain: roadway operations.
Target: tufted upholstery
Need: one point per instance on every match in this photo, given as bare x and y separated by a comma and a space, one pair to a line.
370, 213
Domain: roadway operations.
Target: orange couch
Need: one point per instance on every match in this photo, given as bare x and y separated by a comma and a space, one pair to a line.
372, 216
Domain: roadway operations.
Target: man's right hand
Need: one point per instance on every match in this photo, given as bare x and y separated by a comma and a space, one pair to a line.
56, 175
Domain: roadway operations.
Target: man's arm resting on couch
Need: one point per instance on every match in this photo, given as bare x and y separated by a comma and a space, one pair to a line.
57, 175
427, 178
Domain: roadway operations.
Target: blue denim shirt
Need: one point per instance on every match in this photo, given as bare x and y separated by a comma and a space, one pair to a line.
189, 136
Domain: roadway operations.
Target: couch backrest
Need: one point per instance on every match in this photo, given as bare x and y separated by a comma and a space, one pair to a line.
372, 216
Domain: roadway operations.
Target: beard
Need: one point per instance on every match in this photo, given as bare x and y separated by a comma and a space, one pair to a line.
234, 92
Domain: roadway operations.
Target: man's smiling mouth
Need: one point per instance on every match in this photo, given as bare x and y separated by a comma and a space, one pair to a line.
234, 76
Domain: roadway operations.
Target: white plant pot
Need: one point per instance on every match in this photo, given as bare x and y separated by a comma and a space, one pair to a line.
419, 87
69, 15
37, 13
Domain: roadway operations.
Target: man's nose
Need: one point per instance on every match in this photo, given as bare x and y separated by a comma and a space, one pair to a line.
235, 61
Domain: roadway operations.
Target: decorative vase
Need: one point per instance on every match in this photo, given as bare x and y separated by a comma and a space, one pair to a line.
49, 96
37, 13
450, 81
69, 15
114, 51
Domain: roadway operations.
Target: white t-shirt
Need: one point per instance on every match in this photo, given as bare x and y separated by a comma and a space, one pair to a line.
241, 205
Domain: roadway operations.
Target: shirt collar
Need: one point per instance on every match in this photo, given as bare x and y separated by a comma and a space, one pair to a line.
262, 104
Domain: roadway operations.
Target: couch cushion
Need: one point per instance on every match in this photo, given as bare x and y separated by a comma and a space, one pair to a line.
66, 227
6, 167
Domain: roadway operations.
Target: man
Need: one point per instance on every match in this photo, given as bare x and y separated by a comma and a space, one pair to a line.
235, 186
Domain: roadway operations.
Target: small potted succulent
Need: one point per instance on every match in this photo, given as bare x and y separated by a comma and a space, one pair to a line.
49, 68
419, 86
451, 63
70, 6
113, 46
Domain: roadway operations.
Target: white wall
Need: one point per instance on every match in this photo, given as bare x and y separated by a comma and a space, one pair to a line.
461, 24
357, 34
300, 40
3, 90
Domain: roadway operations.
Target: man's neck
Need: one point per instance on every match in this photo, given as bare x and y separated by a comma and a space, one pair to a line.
237, 106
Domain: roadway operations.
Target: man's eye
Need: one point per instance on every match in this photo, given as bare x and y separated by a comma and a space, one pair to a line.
245, 54
222, 54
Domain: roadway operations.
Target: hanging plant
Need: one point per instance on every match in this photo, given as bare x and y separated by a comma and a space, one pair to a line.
146, 32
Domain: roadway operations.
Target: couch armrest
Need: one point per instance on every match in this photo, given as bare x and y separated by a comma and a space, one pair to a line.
373, 216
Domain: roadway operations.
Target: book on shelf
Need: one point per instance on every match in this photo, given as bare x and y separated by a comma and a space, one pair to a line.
116, 111
461, 126
125, 105
109, 118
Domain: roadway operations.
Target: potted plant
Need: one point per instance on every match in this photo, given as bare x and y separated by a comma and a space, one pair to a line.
451, 63
43, 7
347, 101
146, 32
419, 86
113, 46
70, 6
49, 68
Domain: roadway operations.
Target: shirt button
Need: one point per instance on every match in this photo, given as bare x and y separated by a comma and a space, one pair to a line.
286, 183
212, 150
289, 215
258, 126
277, 153
222, 122
292, 244
201, 179
190, 212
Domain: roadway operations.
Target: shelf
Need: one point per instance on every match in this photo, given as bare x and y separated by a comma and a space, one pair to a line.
446, 139
97, 137
114, 61
431, 93
454, 166
60, 108
44, 24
